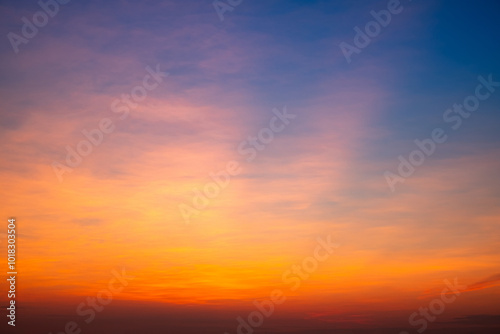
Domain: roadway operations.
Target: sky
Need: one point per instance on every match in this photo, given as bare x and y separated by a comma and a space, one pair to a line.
192, 159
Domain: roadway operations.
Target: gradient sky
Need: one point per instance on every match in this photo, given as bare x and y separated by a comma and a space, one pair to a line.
322, 175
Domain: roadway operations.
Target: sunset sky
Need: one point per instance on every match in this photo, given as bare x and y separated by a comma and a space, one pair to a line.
213, 89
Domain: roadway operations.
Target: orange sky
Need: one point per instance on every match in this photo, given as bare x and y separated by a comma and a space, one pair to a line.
321, 175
